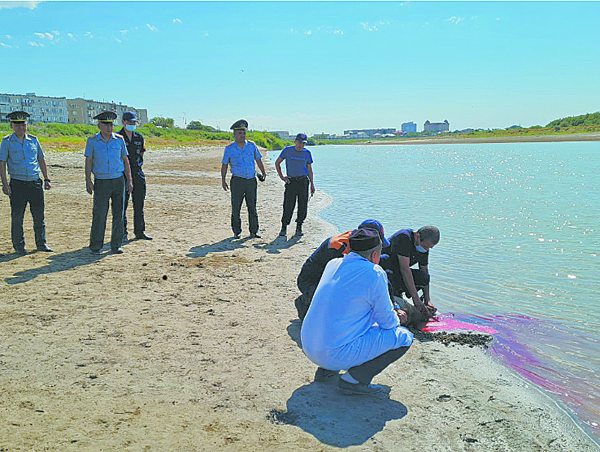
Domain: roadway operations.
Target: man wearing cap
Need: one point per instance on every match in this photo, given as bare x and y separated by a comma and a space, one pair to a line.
106, 157
22, 154
332, 248
298, 166
135, 149
408, 247
241, 155
351, 324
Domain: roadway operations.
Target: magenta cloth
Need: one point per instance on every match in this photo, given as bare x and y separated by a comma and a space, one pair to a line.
446, 322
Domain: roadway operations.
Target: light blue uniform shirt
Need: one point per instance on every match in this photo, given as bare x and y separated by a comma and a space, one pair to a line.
242, 160
22, 159
107, 156
351, 319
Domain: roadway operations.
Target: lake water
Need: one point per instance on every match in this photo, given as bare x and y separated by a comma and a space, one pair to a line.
519, 249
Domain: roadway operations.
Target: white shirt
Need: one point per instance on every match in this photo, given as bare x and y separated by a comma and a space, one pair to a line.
351, 319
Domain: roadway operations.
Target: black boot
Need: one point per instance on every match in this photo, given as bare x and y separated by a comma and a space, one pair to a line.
298, 230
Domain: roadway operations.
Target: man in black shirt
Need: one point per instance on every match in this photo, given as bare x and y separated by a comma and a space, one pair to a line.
408, 247
135, 149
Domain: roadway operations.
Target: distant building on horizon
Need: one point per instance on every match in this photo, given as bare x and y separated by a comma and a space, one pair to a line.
82, 111
369, 133
409, 127
283, 134
436, 126
41, 108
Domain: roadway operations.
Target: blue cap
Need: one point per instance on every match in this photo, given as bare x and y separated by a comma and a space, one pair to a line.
374, 224
129, 116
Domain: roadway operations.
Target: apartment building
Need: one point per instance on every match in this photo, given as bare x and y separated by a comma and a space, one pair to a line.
82, 111
409, 127
436, 126
41, 108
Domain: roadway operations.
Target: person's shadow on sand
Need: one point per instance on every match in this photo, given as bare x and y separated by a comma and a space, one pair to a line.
228, 244
58, 263
293, 330
279, 243
336, 419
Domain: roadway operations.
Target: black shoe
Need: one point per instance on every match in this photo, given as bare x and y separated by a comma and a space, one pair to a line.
255, 235
298, 232
283, 231
21, 251
94, 251
125, 240
325, 375
117, 251
358, 388
45, 248
237, 236
143, 236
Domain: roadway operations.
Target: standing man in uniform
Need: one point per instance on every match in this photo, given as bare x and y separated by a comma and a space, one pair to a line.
23, 156
241, 155
135, 149
408, 247
106, 157
298, 166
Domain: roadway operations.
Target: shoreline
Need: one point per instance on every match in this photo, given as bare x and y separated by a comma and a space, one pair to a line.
466, 140
191, 341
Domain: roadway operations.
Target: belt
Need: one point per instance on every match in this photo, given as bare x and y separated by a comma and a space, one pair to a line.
298, 177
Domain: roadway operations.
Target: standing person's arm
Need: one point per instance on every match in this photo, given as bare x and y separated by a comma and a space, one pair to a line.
129, 185
278, 168
262, 169
89, 185
223, 175
5, 186
44, 170
310, 177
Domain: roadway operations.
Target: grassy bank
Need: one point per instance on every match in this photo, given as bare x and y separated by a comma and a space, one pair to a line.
72, 137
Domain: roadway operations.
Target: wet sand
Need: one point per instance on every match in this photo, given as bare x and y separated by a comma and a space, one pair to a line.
191, 341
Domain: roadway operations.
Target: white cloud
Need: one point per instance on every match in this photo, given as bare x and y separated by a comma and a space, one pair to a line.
151, 27
71, 35
118, 40
50, 36
40, 35
337, 32
8, 37
368, 27
124, 32
309, 32
294, 32
10, 5
5, 45
88, 34
56, 32
206, 34
176, 21
455, 19
36, 44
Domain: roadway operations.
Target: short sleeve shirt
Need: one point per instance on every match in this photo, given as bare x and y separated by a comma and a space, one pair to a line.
22, 159
242, 160
107, 156
296, 161
402, 243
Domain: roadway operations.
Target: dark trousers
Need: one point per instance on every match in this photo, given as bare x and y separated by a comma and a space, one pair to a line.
106, 190
138, 196
420, 277
366, 371
21, 193
243, 189
296, 189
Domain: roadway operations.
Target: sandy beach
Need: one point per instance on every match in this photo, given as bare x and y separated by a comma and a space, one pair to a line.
191, 342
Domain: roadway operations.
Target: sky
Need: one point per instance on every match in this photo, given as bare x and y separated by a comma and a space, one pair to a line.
312, 67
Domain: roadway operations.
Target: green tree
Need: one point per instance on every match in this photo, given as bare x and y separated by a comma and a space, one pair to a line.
197, 125
169, 123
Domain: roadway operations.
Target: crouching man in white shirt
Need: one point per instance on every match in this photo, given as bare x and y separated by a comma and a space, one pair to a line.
352, 324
